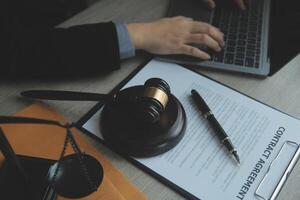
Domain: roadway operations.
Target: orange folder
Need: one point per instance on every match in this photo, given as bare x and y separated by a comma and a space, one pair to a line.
46, 141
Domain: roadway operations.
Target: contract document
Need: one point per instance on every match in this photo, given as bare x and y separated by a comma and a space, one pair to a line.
199, 165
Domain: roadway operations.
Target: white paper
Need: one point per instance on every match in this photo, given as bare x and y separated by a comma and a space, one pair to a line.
199, 164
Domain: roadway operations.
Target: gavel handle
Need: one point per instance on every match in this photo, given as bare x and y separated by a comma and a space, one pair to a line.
65, 95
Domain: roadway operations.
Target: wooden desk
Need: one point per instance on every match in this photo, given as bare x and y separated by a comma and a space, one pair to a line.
280, 91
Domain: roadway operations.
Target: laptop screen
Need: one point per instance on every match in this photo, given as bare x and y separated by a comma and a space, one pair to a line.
190, 8
285, 33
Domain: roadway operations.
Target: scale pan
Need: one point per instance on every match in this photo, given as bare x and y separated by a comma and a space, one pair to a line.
72, 180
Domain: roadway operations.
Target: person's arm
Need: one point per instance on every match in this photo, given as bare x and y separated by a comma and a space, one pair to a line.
176, 35
42, 51
31, 47
31, 51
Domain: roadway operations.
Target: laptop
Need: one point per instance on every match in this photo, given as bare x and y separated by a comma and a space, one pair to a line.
257, 41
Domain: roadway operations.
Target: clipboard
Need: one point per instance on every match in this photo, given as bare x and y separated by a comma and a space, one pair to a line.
161, 178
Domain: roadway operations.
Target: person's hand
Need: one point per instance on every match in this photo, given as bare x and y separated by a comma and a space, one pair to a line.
176, 35
211, 3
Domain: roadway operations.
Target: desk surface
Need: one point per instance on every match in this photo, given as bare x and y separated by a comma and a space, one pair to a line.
280, 91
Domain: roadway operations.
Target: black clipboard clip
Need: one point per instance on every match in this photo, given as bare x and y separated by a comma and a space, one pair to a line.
278, 171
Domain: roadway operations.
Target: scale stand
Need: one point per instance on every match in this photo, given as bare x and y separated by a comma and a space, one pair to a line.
23, 177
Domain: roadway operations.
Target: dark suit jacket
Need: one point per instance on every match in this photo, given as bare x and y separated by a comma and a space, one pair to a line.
30, 46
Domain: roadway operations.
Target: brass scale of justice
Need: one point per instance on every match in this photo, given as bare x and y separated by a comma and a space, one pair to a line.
140, 121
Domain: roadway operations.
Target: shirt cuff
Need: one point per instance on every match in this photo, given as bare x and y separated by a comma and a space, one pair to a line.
126, 47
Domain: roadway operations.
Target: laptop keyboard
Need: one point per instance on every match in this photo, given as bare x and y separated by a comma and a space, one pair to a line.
242, 30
